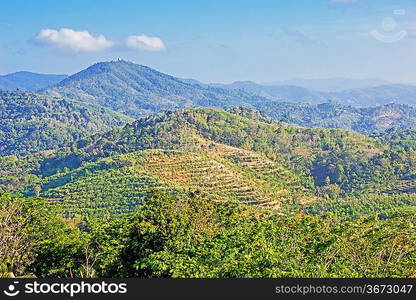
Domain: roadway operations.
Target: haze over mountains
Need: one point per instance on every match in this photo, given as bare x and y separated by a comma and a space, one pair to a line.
362, 97
331, 84
28, 81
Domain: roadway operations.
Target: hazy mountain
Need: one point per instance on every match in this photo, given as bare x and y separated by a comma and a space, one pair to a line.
29, 81
193, 81
365, 97
284, 93
139, 90
379, 95
31, 122
367, 120
331, 84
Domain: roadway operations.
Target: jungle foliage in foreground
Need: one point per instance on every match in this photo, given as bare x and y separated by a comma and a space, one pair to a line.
195, 237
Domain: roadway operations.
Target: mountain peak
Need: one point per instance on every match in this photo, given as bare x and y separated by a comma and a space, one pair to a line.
110, 65
138, 90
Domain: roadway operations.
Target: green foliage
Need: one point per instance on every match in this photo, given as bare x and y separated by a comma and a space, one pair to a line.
31, 122
237, 154
365, 204
25, 224
195, 237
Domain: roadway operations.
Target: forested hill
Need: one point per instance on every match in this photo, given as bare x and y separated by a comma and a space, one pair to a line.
137, 90
239, 154
195, 129
30, 122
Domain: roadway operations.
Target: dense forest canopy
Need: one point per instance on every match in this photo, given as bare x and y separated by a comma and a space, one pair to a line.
31, 122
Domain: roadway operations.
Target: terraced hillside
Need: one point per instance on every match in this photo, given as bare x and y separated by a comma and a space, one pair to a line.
118, 184
196, 129
404, 186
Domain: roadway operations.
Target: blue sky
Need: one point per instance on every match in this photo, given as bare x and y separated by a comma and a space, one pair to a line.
215, 41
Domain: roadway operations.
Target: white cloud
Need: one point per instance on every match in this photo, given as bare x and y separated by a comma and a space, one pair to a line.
144, 42
71, 40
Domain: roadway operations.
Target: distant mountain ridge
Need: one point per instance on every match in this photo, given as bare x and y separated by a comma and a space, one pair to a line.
366, 120
283, 93
138, 91
379, 95
29, 81
331, 84
364, 97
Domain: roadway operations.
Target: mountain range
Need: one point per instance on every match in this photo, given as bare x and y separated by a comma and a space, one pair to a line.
29, 81
362, 97
331, 84
139, 90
